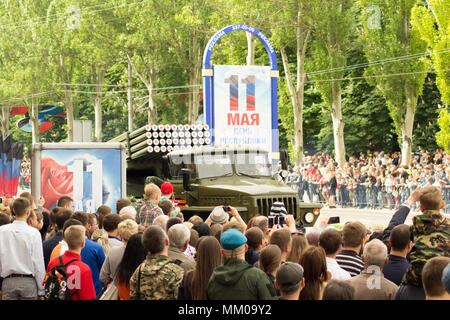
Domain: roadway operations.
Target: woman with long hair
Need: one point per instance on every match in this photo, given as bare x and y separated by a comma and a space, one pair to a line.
316, 275
299, 244
133, 256
195, 282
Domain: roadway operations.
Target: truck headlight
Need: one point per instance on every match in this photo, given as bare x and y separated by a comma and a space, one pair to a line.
309, 217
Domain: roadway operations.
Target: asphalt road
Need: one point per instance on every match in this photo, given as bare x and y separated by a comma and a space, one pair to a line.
371, 218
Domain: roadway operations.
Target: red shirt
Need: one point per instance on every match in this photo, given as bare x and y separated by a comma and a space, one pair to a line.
79, 278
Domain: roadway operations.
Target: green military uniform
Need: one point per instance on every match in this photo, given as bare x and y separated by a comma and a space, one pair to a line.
159, 279
238, 280
431, 232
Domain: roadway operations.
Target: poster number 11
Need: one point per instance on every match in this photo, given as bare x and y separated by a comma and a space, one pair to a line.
96, 170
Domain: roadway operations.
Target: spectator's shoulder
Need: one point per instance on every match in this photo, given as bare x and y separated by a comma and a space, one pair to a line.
174, 268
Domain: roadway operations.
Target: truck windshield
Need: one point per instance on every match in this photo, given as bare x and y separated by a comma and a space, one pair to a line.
253, 164
213, 165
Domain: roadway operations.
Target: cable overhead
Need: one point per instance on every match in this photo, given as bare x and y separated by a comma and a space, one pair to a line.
65, 15
376, 62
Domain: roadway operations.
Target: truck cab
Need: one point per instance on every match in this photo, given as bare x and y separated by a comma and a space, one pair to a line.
205, 177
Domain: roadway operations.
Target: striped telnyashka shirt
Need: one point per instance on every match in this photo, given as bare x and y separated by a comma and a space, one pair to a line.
350, 262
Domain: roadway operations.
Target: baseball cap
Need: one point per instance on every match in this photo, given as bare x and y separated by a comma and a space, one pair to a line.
232, 238
218, 215
278, 209
289, 275
166, 188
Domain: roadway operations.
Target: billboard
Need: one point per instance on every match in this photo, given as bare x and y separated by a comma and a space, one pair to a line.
92, 174
242, 106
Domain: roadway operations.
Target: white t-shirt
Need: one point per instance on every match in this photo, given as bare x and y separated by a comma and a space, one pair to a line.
337, 273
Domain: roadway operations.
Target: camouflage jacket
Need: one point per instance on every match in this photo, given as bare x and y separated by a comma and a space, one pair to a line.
431, 233
159, 279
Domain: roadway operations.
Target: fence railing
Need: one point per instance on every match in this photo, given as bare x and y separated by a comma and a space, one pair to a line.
361, 195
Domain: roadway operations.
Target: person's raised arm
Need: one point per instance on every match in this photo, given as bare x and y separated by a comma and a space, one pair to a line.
237, 216
402, 212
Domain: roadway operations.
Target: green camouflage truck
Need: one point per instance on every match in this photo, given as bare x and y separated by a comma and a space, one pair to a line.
204, 177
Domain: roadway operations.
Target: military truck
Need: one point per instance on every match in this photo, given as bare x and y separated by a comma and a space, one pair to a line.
204, 176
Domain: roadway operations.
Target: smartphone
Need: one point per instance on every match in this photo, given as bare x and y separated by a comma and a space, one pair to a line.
271, 221
226, 208
333, 220
281, 220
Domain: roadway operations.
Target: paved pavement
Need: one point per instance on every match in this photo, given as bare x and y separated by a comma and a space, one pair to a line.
371, 218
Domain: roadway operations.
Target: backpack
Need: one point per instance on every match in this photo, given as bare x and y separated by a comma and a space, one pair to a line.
56, 282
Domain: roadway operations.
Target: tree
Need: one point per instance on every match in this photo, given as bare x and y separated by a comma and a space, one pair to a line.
432, 23
27, 58
401, 78
294, 12
333, 23
443, 136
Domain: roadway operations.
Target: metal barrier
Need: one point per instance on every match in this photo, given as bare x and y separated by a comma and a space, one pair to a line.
361, 195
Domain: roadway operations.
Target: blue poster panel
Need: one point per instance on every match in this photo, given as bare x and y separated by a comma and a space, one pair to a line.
91, 177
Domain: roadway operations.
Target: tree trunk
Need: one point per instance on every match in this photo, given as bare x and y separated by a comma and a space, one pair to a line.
100, 76
251, 43
69, 113
297, 94
297, 106
406, 128
196, 94
152, 113
338, 124
67, 97
5, 120
130, 96
194, 80
34, 119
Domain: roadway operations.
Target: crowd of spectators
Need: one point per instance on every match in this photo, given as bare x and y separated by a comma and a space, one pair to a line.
152, 253
25, 174
373, 180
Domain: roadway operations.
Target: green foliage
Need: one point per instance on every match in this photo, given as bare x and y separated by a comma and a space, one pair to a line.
394, 38
425, 124
443, 136
433, 26
166, 39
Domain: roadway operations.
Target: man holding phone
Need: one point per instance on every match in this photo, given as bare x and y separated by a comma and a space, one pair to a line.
220, 214
279, 218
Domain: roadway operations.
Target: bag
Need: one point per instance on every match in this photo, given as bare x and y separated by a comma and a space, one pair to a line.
111, 292
56, 282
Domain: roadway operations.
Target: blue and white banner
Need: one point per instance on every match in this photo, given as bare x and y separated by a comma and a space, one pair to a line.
242, 106
91, 177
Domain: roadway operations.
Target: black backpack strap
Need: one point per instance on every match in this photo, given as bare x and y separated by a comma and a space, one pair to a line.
61, 263
73, 260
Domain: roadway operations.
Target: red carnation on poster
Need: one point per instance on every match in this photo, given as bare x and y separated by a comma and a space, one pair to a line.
56, 182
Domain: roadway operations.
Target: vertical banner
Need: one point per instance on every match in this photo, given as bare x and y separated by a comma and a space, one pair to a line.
242, 106
91, 177
240, 97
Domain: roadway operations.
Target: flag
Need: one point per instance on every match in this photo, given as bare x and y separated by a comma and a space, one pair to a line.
7, 181
17, 157
2, 193
6, 147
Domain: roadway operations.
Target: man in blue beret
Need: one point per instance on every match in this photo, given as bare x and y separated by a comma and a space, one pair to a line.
236, 279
